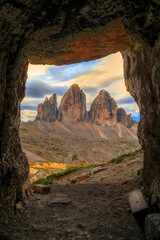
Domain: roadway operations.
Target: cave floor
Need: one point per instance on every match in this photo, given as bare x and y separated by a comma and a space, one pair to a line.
94, 209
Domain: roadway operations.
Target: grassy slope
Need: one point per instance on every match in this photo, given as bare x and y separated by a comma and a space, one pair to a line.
50, 179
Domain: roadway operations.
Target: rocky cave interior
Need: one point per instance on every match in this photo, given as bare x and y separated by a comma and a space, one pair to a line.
65, 32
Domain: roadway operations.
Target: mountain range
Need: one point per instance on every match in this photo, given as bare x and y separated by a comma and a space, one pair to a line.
103, 111
69, 134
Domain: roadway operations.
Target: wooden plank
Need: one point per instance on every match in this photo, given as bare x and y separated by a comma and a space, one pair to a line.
137, 201
43, 189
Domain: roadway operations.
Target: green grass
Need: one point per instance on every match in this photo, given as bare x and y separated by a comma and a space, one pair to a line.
50, 179
119, 158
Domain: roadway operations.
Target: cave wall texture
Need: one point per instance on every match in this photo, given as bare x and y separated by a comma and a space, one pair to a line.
70, 31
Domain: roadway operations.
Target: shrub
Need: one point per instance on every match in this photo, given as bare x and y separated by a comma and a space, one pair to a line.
73, 181
119, 158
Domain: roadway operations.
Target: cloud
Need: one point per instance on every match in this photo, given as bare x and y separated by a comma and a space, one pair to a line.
39, 89
37, 70
105, 69
27, 115
28, 107
28, 101
66, 72
57, 74
127, 100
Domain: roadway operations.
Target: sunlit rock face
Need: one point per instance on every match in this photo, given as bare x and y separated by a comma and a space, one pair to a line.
72, 109
125, 119
103, 109
47, 111
64, 32
73, 105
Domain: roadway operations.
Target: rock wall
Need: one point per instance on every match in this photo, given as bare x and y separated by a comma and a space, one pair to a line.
14, 168
142, 74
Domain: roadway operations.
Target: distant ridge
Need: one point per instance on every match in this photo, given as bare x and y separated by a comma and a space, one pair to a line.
104, 110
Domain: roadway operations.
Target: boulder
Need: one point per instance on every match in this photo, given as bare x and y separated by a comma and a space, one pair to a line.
81, 177
98, 169
152, 226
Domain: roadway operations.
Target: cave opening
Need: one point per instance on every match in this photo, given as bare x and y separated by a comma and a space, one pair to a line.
101, 115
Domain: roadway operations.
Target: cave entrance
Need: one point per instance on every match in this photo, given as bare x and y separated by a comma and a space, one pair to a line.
91, 124
65, 32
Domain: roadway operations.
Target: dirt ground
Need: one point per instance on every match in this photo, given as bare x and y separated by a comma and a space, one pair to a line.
95, 209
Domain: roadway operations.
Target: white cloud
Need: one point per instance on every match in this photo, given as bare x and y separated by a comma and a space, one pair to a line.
32, 101
27, 115
37, 70
106, 69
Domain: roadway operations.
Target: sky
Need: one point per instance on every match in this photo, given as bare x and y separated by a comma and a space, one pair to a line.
93, 76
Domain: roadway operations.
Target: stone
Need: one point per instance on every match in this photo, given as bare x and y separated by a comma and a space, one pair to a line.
81, 177
73, 105
152, 226
47, 111
42, 189
103, 109
98, 169
19, 206
138, 206
125, 119
61, 201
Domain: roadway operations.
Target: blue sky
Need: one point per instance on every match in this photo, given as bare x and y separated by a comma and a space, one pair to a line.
93, 76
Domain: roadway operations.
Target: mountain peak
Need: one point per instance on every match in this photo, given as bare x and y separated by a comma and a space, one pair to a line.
46, 99
73, 105
74, 86
103, 109
124, 119
47, 111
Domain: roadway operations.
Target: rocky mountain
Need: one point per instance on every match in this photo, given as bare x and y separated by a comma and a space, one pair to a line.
104, 110
73, 105
47, 111
125, 119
